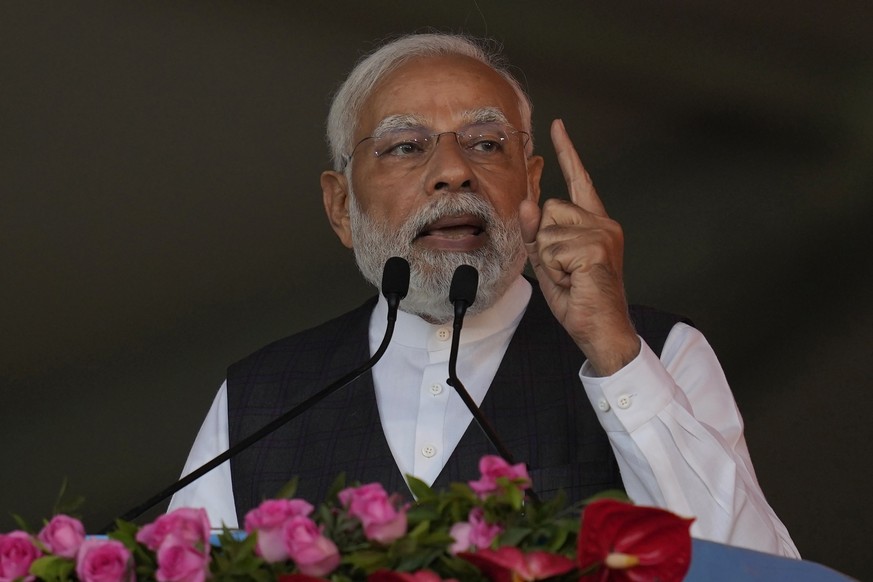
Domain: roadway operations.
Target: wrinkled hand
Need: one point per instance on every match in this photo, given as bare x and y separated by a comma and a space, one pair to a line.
575, 250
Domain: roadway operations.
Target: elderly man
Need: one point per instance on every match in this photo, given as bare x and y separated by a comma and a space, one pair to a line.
433, 162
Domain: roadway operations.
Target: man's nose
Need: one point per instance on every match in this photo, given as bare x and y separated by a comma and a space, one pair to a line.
448, 169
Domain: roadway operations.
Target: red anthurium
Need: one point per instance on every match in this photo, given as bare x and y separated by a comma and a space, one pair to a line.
627, 543
508, 564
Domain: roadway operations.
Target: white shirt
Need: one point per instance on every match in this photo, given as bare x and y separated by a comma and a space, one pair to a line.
673, 424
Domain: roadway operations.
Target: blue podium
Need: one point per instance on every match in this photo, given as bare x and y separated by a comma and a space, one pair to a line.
712, 562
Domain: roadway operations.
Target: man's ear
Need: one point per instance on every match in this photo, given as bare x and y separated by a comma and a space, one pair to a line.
334, 190
534, 173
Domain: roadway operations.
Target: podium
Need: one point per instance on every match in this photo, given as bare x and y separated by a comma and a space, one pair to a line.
712, 562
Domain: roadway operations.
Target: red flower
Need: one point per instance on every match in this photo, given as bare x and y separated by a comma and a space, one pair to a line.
620, 542
508, 564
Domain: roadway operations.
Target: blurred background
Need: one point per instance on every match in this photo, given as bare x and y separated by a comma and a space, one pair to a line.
160, 216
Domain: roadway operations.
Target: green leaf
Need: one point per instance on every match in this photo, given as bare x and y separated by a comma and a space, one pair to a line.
616, 494
368, 561
66, 504
338, 485
235, 560
419, 488
288, 489
422, 513
558, 541
52, 568
514, 536
22, 525
419, 530
125, 532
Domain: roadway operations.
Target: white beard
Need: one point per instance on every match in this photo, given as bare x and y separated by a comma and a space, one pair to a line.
498, 262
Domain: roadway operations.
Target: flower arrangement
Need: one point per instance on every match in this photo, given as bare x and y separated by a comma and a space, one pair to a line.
482, 530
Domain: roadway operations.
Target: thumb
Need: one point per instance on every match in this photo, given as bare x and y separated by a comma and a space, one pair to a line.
529, 221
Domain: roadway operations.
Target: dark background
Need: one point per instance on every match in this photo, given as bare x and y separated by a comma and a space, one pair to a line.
160, 216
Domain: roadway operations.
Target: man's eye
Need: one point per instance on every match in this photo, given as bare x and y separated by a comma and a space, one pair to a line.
403, 148
486, 145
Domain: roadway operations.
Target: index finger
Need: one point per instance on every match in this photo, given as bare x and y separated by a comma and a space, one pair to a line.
582, 192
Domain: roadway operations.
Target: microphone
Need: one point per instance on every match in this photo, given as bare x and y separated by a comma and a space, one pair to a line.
462, 291
395, 285
462, 294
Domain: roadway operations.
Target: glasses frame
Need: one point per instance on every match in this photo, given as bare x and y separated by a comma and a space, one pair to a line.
435, 137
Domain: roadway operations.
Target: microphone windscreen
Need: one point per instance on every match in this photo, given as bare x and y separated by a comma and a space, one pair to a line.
395, 277
464, 284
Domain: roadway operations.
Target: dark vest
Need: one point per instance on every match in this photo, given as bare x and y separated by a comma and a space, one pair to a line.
536, 404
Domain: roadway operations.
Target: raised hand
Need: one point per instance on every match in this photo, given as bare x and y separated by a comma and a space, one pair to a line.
576, 251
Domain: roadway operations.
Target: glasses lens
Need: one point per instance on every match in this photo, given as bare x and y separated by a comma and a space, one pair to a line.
486, 140
482, 143
402, 143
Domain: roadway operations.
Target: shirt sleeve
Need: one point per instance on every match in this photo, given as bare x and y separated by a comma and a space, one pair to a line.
678, 438
214, 490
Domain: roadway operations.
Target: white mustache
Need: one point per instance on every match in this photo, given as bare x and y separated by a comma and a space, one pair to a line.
449, 205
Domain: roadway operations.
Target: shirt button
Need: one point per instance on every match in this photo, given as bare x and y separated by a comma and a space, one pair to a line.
436, 389
428, 451
603, 405
444, 334
624, 401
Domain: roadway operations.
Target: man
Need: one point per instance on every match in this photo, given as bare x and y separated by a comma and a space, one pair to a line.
433, 161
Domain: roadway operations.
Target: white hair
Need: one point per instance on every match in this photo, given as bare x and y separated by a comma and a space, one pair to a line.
354, 92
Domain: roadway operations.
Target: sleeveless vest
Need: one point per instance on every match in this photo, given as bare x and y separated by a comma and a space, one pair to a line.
536, 404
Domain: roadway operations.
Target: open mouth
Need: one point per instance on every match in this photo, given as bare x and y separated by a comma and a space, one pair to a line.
453, 227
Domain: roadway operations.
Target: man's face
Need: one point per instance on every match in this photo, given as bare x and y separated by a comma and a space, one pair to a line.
451, 205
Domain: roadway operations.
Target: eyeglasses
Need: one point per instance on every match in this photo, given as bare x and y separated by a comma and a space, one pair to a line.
410, 147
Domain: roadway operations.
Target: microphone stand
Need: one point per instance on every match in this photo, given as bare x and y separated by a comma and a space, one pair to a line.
462, 294
395, 284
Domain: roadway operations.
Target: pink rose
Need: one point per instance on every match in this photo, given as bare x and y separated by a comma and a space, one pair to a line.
187, 525
273, 513
474, 533
104, 561
314, 554
382, 521
63, 535
17, 553
268, 520
179, 561
492, 467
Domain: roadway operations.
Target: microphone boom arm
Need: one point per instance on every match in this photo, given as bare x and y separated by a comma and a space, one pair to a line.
395, 283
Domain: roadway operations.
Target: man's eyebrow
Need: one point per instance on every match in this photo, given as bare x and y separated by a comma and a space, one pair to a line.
395, 122
485, 115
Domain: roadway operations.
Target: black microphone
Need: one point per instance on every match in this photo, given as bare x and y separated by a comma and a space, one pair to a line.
395, 284
462, 291
462, 294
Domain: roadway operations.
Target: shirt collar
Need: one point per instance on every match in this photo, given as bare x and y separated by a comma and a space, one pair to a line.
412, 331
